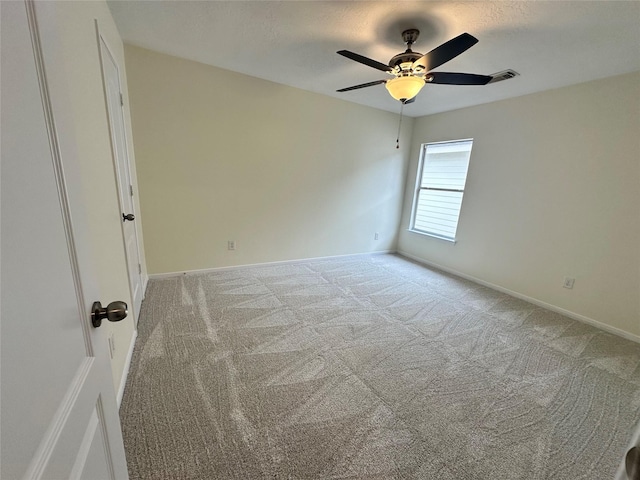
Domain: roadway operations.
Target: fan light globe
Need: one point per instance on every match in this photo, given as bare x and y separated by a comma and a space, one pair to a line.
405, 88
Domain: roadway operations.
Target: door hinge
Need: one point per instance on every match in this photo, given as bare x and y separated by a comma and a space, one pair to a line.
121, 100
139, 268
131, 190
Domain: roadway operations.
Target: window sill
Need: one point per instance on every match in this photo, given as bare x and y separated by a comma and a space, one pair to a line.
433, 235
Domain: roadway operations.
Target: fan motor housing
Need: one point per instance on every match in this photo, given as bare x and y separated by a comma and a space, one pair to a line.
408, 56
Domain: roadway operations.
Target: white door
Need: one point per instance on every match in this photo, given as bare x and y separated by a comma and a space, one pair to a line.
58, 409
111, 78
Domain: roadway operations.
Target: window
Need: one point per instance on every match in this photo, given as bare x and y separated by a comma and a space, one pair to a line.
442, 174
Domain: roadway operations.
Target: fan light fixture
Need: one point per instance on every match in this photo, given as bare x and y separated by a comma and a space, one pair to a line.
412, 69
404, 88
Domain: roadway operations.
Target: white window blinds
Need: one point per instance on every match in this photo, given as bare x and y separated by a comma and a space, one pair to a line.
441, 179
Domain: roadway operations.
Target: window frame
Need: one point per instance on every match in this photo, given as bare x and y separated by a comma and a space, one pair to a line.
418, 188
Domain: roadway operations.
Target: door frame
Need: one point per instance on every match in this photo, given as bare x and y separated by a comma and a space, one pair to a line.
122, 189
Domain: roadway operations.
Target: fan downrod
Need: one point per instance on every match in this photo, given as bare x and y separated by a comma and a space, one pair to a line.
408, 56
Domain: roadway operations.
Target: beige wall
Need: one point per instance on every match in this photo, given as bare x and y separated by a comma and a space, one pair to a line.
82, 72
553, 190
285, 173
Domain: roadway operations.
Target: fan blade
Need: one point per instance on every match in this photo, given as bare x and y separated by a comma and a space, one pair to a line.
446, 52
355, 87
445, 78
365, 60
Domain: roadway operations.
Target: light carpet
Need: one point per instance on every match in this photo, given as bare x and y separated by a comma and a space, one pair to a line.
370, 367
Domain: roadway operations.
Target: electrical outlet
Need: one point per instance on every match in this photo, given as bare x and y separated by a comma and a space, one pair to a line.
568, 282
376, 236
112, 344
231, 245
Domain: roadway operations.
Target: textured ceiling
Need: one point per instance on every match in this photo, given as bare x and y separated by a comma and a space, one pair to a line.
550, 43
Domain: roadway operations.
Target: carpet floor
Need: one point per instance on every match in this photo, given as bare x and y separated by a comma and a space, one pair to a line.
370, 367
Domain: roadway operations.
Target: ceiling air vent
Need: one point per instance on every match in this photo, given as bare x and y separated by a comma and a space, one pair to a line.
503, 75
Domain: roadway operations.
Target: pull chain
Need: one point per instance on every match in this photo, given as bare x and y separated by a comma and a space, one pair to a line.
399, 125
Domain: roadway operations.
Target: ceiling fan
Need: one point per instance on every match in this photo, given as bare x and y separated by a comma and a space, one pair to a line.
412, 70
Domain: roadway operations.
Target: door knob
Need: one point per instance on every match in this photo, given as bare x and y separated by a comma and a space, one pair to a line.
114, 312
128, 216
632, 463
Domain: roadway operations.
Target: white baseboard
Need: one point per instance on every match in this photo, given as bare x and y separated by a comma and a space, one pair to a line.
127, 366
281, 262
535, 301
